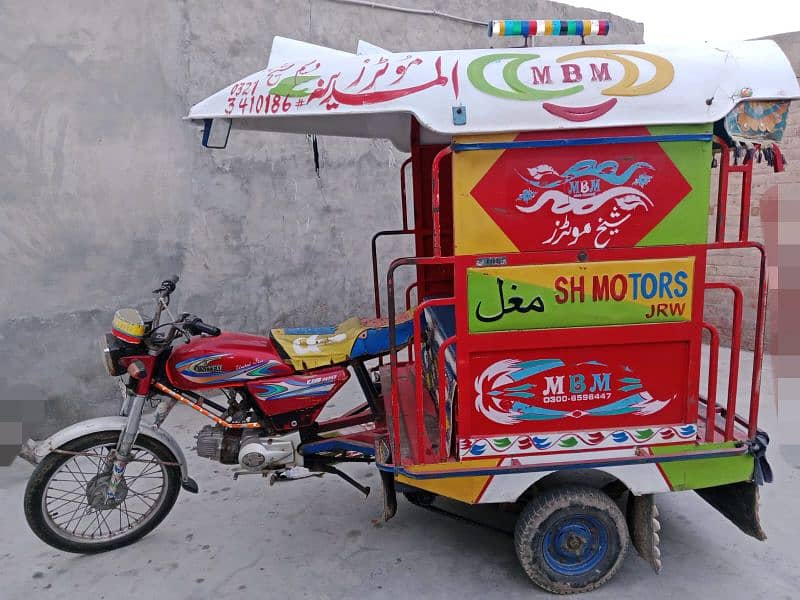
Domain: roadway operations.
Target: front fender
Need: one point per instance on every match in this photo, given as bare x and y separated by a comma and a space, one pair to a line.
114, 423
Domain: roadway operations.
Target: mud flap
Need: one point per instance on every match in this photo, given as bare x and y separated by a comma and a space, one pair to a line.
738, 502
643, 525
389, 495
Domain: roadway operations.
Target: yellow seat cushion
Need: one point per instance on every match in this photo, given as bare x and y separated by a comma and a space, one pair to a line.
313, 347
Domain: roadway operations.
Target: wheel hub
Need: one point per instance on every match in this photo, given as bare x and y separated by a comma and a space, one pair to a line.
97, 492
575, 542
575, 545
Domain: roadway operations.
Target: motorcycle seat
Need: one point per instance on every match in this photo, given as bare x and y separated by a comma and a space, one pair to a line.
312, 347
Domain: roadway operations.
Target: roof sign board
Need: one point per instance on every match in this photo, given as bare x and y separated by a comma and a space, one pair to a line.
307, 88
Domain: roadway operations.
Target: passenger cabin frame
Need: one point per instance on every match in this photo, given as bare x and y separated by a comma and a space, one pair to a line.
441, 282
560, 246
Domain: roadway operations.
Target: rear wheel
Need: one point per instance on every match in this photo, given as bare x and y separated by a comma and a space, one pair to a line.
571, 539
66, 504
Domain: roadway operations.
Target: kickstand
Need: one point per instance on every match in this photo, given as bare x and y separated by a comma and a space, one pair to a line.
364, 489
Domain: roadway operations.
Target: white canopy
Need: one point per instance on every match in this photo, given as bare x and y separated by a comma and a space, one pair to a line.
313, 89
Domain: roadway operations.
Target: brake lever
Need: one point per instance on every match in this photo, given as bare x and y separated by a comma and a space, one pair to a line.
185, 335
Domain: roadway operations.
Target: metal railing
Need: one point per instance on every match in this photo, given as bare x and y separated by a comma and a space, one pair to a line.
393, 361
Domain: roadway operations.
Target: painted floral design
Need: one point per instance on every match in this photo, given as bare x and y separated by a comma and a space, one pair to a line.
531, 443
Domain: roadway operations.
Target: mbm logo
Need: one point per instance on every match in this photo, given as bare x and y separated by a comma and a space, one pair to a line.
584, 187
554, 385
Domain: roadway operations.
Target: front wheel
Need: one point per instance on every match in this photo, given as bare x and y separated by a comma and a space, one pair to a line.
66, 504
571, 539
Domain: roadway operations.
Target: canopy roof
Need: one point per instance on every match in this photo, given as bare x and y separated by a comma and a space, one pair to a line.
312, 89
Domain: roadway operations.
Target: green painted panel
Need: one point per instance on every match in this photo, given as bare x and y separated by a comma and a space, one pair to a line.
687, 223
704, 472
579, 294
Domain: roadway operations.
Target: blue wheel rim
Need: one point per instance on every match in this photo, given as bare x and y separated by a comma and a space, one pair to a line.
575, 544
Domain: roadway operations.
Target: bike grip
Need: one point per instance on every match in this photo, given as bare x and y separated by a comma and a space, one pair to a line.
201, 327
209, 329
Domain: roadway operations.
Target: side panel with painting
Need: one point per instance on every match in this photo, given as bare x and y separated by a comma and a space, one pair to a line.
600, 195
592, 389
580, 294
296, 400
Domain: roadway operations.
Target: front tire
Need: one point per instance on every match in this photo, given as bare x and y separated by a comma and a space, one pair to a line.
571, 539
65, 503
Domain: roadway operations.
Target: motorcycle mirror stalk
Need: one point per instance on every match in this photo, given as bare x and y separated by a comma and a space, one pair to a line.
168, 285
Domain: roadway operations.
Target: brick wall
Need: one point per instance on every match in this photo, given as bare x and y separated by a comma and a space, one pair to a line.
741, 268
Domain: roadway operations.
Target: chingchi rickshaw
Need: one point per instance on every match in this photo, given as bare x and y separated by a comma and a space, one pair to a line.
548, 354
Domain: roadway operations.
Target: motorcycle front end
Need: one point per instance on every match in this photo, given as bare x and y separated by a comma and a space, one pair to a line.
106, 482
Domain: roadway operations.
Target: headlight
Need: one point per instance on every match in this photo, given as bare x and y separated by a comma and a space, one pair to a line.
113, 351
108, 361
128, 325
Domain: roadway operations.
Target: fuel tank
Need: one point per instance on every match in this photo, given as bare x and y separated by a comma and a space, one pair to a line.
229, 359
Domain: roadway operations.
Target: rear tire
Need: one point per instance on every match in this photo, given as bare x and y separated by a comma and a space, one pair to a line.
40, 515
571, 539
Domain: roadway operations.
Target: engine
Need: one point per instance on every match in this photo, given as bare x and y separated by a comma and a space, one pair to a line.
247, 449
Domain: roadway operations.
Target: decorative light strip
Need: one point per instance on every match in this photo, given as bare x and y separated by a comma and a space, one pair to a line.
533, 27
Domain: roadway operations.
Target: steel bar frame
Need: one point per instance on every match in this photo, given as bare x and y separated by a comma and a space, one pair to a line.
736, 344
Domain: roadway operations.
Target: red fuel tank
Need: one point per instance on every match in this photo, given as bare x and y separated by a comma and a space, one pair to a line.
229, 359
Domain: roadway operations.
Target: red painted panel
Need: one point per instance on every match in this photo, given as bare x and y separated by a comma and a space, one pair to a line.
581, 197
578, 387
296, 400
651, 344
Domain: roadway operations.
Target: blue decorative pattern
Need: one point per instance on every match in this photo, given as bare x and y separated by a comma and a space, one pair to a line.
598, 141
375, 341
292, 388
202, 370
584, 440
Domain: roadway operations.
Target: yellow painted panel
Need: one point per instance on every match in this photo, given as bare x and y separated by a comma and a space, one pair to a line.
474, 231
465, 489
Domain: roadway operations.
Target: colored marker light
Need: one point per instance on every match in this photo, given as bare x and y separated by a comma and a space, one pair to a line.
528, 28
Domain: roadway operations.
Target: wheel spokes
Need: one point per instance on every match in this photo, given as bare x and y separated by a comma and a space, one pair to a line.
74, 496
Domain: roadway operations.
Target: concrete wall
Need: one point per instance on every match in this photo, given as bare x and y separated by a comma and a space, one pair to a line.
741, 267
104, 190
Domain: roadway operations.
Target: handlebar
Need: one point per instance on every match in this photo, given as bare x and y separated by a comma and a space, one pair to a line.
187, 324
167, 287
195, 326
